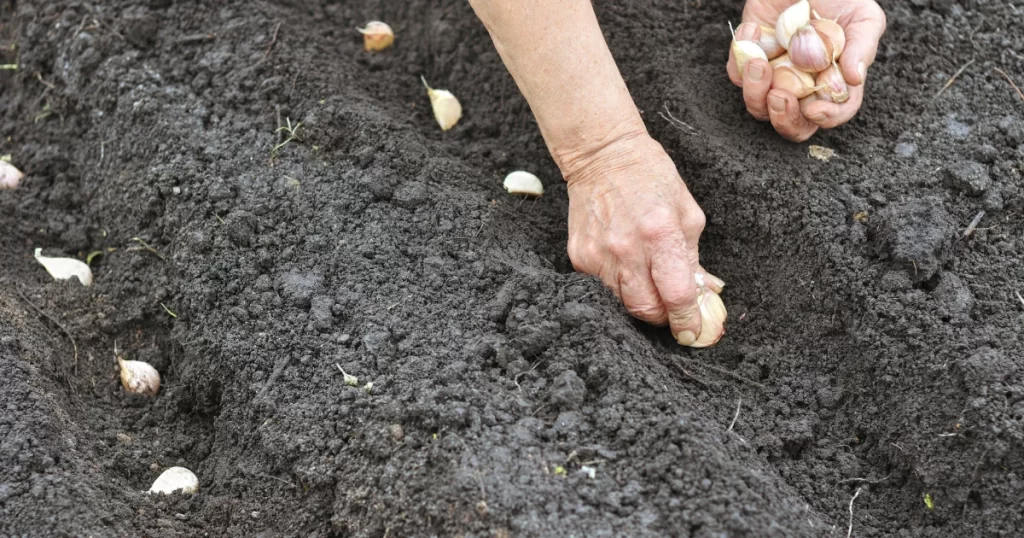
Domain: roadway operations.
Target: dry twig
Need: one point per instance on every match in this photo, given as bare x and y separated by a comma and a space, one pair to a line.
952, 79
1008, 79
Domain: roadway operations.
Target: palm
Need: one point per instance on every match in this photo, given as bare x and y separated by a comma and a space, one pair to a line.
862, 20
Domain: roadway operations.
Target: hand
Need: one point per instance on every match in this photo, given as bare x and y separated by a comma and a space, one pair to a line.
864, 23
633, 223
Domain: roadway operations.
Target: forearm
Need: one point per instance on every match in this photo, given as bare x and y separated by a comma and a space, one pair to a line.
558, 57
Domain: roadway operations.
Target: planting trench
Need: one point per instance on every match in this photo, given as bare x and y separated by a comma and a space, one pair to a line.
871, 348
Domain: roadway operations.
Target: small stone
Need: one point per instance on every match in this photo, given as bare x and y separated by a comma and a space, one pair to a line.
992, 200
320, 312
968, 177
397, 432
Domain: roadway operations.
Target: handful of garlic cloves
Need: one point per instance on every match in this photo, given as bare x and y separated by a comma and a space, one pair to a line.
804, 54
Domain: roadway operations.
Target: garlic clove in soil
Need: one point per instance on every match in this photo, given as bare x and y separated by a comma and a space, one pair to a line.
10, 176
832, 86
520, 182
744, 51
377, 36
769, 43
713, 315
65, 268
447, 109
792, 19
786, 76
175, 480
139, 377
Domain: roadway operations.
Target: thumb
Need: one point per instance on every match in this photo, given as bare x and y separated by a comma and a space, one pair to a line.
673, 276
863, 31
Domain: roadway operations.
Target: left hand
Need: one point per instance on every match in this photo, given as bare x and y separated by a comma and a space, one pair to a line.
864, 23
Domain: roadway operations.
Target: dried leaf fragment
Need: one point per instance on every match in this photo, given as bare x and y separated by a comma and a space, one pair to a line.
821, 153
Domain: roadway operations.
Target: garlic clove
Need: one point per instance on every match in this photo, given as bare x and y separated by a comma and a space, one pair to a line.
447, 109
831, 86
713, 315
769, 43
832, 34
65, 268
139, 377
808, 51
792, 19
377, 36
743, 51
175, 480
10, 176
786, 76
520, 182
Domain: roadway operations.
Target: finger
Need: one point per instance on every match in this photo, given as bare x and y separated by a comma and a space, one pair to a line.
784, 111
863, 28
641, 298
747, 31
757, 81
673, 277
829, 115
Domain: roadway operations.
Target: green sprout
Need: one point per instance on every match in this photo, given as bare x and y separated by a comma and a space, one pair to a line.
928, 501
292, 135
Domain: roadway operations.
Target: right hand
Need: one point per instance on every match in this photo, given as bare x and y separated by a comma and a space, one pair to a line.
634, 224
864, 23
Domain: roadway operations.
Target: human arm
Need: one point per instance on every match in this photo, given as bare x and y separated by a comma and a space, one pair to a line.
632, 221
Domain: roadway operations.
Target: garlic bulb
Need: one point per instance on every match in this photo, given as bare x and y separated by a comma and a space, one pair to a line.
447, 109
713, 315
786, 76
520, 182
175, 479
65, 268
10, 176
377, 36
744, 51
769, 43
831, 86
792, 19
139, 377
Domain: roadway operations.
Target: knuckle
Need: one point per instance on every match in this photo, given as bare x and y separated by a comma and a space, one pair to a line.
694, 220
620, 246
658, 224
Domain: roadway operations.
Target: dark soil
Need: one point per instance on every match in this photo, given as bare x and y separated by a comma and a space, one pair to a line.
871, 348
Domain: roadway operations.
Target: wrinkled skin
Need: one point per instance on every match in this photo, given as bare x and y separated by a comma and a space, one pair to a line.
634, 224
864, 23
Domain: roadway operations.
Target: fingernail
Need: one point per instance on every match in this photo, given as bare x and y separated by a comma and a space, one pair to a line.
755, 72
686, 338
746, 32
818, 118
863, 70
776, 103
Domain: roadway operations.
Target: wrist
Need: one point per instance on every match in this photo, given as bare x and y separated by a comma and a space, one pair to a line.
613, 149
